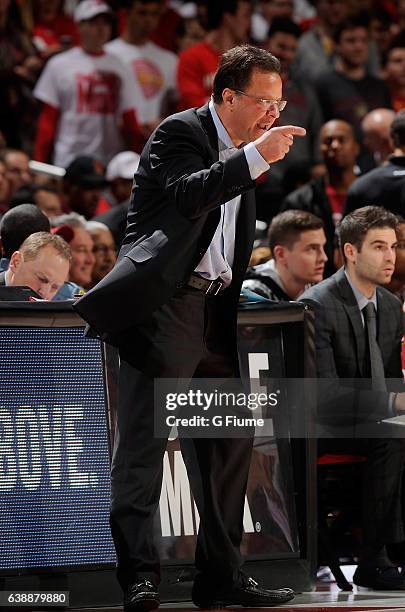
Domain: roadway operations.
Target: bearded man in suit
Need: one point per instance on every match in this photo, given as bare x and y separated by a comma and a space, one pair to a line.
358, 331
170, 305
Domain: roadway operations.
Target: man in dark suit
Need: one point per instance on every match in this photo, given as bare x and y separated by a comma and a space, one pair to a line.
170, 306
358, 331
385, 185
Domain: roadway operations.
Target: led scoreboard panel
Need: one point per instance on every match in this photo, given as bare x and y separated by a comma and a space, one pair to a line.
54, 450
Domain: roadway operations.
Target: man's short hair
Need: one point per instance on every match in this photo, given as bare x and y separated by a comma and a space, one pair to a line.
96, 226
38, 241
358, 20
71, 219
18, 223
237, 65
355, 225
287, 227
216, 10
397, 130
284, 25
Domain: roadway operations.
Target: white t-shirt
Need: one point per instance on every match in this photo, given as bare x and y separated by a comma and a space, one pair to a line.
91, 92
154, 70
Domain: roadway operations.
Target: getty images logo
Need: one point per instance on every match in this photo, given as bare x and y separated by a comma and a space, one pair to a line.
178, 511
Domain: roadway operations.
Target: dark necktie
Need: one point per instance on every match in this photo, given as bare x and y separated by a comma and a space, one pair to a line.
376, 362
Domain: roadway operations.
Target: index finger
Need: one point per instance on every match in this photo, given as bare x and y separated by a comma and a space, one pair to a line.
292, 130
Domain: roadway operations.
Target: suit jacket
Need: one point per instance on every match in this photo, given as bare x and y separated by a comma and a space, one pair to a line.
383, 186
341, 352
173, 213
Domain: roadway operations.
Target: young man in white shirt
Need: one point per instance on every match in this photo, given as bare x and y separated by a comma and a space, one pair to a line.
153, 68
89, 98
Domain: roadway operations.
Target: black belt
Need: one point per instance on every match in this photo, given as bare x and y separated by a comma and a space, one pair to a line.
209, 287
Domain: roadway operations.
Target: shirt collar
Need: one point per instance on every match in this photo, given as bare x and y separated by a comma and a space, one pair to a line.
223, 136
361, 299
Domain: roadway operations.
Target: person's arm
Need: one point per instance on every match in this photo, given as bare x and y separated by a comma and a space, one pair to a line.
131, 132
352, 201
46, 132
178, 160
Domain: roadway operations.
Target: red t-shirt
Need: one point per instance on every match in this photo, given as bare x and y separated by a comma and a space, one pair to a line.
337, 201
195, 74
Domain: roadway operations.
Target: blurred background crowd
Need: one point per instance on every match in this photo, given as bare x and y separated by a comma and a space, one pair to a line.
83, 85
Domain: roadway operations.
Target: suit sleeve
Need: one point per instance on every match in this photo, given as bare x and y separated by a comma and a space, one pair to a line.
181, 165
352, 201
394, 365
342, 402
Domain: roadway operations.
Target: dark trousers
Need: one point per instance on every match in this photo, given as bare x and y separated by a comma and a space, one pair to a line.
185, 338
381, 492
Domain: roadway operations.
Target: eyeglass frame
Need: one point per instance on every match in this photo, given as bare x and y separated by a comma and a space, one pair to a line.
264, 101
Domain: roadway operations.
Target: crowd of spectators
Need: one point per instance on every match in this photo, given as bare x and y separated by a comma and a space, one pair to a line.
84, 81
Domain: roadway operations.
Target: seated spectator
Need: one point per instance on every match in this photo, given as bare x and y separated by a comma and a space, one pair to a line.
53, 31
316, 46
41, 263
16, 225
88, 96
297, 241
376, 130
361, 382
302, 103
349, 91
44, 196
385, 185
153, 69
227, 24
397, 284
104, 250
82, 186
18, 172
394, 71
120, 174
72, 227
325, 196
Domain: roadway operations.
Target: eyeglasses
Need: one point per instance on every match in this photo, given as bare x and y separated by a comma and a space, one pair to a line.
267, 104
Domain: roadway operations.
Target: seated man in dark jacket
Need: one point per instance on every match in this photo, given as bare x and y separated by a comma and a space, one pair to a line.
296, 240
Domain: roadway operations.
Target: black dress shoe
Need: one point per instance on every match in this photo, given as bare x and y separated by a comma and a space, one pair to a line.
380, 578
245, 593
141, 596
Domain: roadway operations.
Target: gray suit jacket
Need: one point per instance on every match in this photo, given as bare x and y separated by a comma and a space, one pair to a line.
345, 393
